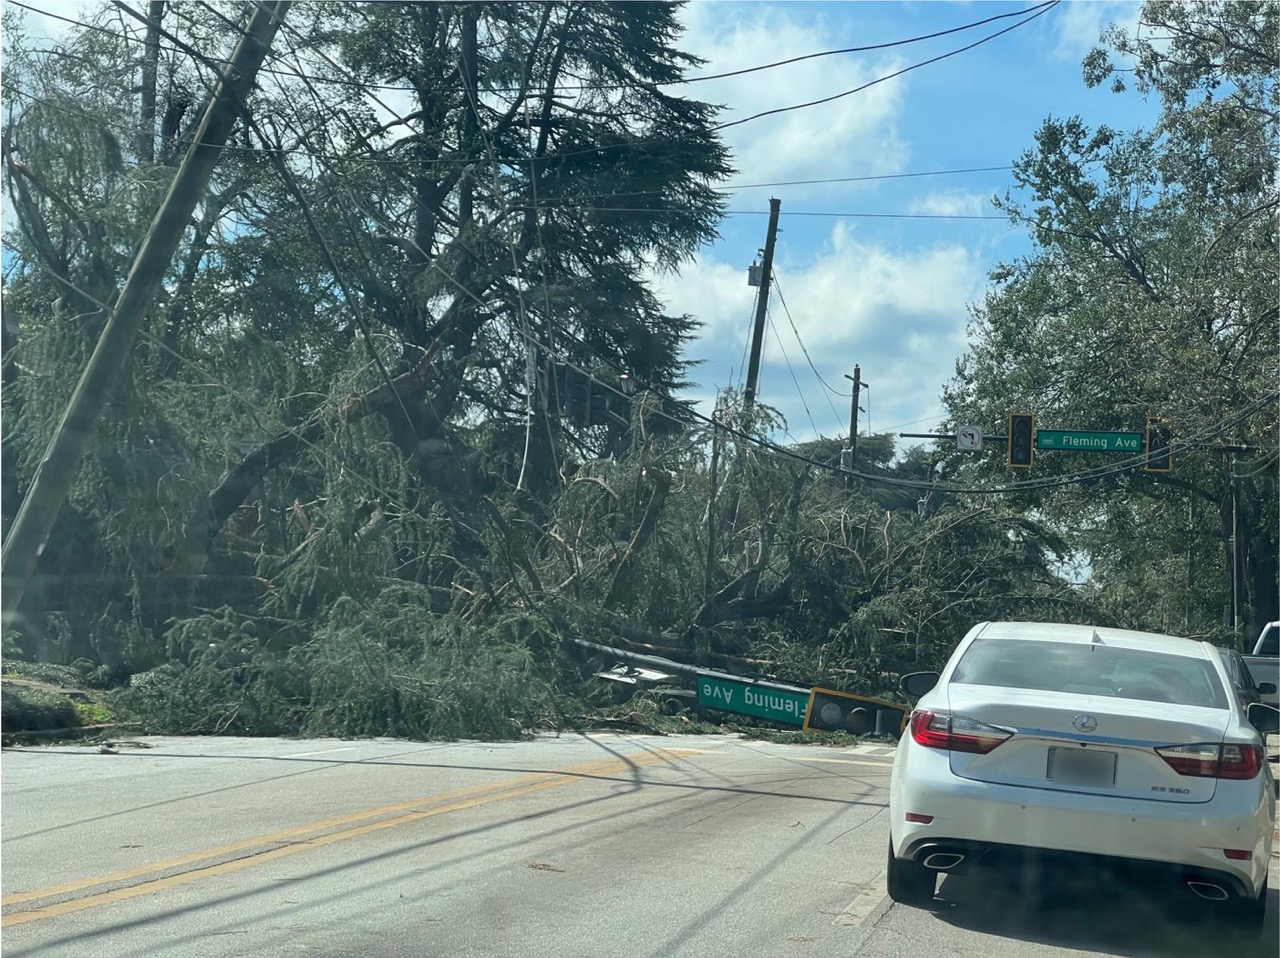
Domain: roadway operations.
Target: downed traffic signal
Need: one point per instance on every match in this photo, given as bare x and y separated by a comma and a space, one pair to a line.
1159, 447
1022, 440
832, 711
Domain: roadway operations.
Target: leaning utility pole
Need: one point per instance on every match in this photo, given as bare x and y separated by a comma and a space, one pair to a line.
762, 307
62, 458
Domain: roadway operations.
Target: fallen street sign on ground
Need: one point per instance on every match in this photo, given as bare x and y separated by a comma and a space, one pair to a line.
778, 703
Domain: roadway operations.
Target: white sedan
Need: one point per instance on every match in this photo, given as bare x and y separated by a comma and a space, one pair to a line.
1043, 744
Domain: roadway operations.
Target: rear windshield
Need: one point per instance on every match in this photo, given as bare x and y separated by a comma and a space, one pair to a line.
1091, 669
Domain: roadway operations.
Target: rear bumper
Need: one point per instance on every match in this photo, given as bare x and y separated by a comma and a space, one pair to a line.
1041, 863
1015, 826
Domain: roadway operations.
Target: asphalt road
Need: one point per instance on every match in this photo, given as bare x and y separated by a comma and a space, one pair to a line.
573, 846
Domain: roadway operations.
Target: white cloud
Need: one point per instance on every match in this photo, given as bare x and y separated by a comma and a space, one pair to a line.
901, 314
1079, 24
950, 203
853, 135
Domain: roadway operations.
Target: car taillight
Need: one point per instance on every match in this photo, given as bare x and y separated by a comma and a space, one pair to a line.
955, 733
1241, 761
1207, 760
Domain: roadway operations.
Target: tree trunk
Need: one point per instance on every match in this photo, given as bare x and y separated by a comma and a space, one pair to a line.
471, 116
150, 64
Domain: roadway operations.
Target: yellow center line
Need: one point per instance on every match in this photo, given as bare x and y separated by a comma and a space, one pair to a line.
293, 833
304, 837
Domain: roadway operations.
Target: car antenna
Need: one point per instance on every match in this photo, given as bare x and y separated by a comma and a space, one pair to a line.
1095, 640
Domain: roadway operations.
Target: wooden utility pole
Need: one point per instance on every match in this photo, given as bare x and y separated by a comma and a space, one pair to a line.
849, 459
853, 417
62, 458
708, 576
762, 307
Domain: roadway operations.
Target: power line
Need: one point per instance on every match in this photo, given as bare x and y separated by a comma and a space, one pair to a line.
1043, 9
462, 162
603, 87
253, 408
808, 358
292, 185
746, 345
862, 179
1039, 10
786, 359
1124, 465
555, 202
733, 187
826, 390
1035, 11
869, 48
766, 445
841, 214
913, 422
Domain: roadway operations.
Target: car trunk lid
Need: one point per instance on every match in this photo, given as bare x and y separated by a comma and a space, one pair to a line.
1086, 743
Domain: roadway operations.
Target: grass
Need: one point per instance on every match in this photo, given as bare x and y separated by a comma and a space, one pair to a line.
94, 713
45, 703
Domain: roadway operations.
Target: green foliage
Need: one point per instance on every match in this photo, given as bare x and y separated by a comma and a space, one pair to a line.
385, 667
28, 709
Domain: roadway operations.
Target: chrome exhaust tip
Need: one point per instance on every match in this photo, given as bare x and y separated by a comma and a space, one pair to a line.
1208, 890
941, 861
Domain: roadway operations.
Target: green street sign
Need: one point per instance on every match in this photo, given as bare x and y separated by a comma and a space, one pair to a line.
1088, 440
775, 702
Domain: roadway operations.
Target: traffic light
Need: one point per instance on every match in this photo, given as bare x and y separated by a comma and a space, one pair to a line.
832, 711
1022, 440
1159, 447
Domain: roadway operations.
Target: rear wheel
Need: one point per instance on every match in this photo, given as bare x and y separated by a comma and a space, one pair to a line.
910, 883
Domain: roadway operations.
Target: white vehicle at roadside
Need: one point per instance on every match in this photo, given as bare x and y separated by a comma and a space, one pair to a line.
1046, 744
1264, 663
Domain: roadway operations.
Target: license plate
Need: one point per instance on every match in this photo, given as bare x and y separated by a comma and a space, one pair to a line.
1079, 766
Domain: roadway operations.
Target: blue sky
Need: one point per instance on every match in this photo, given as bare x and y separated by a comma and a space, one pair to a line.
889, 294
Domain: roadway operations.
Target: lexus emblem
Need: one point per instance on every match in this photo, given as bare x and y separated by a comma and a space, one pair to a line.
1085, 723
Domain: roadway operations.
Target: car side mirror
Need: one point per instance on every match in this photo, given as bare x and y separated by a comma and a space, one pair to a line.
1265, 718
917, 684
1266, 688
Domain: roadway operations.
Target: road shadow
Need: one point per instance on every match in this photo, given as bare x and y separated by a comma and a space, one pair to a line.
1100, 914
